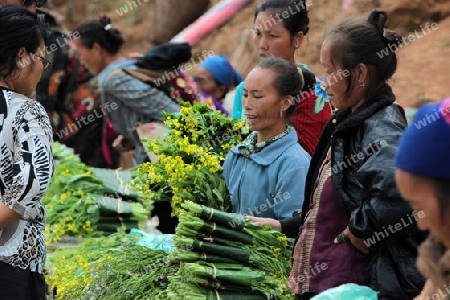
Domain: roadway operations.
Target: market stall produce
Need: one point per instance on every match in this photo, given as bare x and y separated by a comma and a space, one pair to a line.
190, 158
85, 202
115, 267
250, 264
223, 256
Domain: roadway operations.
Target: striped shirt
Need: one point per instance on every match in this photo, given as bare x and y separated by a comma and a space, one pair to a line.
130, 102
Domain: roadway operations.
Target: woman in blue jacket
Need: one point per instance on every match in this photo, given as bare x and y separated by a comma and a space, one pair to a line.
265, 174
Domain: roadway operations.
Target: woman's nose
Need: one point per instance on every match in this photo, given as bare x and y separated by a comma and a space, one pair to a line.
262, 43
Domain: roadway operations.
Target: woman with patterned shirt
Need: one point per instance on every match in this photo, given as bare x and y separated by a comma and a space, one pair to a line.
26, 157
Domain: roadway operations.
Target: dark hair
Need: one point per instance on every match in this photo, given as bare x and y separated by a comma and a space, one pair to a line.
288, 81
100, 32
19, 28
365, 41
441, 189
297, 19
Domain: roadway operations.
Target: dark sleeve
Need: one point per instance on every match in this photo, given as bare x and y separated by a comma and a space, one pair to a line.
291, 226
384, 208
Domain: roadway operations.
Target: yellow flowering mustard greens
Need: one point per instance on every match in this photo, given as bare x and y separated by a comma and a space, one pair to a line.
109, 268
190, 160
78, 203
70, 200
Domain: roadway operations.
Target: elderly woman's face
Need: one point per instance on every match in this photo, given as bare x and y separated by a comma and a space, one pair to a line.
420, 194
262, 104
207, 84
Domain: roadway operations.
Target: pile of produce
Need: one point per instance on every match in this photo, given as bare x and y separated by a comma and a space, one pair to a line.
85, 202
190, 160
222, 256
218, 255
109, 268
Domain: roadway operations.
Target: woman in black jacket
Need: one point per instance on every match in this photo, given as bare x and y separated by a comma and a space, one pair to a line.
354, 226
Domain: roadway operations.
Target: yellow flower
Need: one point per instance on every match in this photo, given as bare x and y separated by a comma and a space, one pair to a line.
283, 240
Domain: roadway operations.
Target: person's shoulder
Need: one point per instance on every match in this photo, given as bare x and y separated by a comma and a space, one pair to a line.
294, 151
115, 72
32, 107
387, 116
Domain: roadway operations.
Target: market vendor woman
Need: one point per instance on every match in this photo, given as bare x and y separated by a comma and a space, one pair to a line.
265, 173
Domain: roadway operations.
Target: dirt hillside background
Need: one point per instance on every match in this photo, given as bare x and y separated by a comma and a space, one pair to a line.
423, 71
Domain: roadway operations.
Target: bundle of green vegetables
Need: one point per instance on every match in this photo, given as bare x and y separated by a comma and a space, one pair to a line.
84, 202
109, 268
221, 255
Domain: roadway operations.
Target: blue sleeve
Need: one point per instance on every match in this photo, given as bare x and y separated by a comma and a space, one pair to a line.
290, 189
238, 111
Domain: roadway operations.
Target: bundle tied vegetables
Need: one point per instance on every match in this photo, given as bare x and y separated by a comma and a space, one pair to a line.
253, 260
84, 202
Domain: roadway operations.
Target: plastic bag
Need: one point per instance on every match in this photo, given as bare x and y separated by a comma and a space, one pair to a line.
155, 241
349, 291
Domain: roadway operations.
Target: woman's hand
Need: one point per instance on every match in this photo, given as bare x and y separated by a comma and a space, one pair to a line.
356, 242
264, 222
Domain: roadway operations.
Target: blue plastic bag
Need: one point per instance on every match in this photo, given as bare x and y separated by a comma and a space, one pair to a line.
154, 241
349, 291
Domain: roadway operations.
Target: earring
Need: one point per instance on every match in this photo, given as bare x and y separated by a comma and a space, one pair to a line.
361, 83
296, 47
281, 113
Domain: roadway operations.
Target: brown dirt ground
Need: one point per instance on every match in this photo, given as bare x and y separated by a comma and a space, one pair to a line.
423, 71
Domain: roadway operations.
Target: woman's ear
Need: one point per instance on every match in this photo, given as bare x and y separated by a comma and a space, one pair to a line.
288, 101
97, 48
298, 40
363, 73
22, 59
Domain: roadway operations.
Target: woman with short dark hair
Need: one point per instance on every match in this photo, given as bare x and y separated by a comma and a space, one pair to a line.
26, 160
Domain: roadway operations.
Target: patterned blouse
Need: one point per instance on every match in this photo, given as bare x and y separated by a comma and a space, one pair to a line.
26, 171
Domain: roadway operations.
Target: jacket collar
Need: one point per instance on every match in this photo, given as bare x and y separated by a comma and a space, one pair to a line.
271, 152
347, 120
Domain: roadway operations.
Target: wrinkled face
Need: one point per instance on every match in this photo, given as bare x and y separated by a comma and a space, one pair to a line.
207, 84
90, 58
421, 196
271, 38
262, 104
335, 82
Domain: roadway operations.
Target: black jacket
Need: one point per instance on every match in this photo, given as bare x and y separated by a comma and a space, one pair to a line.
363, 146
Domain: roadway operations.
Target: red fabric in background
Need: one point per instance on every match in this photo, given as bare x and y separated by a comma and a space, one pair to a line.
308, 125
